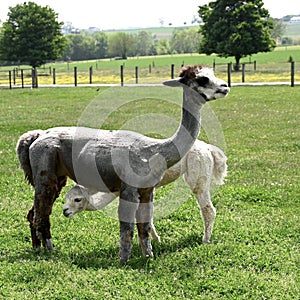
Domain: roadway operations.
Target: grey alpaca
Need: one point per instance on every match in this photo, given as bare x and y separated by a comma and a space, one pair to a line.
113, 161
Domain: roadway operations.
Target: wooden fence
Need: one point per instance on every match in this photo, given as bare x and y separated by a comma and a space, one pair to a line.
31, 77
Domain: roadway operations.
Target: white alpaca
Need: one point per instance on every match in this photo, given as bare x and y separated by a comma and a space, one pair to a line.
199, 166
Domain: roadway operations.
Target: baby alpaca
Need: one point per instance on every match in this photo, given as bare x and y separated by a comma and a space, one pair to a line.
202, 163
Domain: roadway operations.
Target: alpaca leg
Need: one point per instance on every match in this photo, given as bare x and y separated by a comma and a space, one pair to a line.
129, 201
144, 219
154, 233
61, 182
43, 202
36, 243
47, 186
208, 213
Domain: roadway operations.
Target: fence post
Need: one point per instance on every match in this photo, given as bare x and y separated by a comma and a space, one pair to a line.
136, 75
34, 78
292, 73
9, 78
243, 72
75, 76
172, 71
229, 66
150, 69
122, 75
91, 74
54, 75
214, 65
22, 78
14, 76
254, 64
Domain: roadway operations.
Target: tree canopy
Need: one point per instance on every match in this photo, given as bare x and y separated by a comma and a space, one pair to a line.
235, 28
185, 41
31, 35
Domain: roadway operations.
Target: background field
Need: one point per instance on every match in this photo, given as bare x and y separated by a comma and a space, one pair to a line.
254, 252
270, 67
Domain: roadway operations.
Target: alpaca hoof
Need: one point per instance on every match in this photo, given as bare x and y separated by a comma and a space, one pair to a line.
123, 260
149, 254
146, 248
36, 247
125, 246
48, 245
157, 239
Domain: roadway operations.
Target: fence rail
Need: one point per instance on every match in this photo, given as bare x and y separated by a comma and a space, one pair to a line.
250, 72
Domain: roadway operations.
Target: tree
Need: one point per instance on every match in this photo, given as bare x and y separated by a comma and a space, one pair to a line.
185, 41
163, 47
31, 35
278, 30
120, 44
144, 43
235, 28
78, 47
101, 44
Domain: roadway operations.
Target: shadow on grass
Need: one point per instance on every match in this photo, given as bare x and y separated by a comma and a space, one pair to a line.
103, 258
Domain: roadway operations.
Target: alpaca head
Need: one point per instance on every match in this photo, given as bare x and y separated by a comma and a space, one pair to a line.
76, 201
202, 80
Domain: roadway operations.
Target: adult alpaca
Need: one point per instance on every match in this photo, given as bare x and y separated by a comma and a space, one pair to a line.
126, 162
203, 164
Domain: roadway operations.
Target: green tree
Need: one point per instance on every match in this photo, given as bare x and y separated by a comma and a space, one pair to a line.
278, 30
163, 47
78, 47
235, 28
121, 44
144, 43
31, 35
185, 41
83, 46
101, 44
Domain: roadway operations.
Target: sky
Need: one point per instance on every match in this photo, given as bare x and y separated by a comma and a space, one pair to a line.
136, 13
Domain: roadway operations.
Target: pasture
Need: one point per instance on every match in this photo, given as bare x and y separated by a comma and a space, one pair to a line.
270, 67
254, 251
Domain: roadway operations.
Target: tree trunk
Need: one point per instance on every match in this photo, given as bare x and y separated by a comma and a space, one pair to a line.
237, 63
34, 77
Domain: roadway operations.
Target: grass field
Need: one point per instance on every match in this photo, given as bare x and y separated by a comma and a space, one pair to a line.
254, 252
270, 67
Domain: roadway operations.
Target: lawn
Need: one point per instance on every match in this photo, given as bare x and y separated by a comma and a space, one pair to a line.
254, 251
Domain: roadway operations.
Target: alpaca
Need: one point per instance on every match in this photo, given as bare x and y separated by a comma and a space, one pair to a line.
198, 167
113, 161
79, 198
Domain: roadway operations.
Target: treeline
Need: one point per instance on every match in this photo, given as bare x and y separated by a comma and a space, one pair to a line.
86, 45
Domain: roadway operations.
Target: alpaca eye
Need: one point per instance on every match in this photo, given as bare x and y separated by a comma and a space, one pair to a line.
202, 81
77, 199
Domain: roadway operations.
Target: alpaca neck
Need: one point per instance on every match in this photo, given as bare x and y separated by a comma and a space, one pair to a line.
182, 141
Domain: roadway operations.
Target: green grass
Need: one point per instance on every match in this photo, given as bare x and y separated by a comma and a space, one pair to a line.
271, 66
254, 252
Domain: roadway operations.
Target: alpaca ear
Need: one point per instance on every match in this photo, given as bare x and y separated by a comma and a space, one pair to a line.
173, 82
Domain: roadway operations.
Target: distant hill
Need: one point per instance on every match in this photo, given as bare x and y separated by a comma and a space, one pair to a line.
159, 32
292, 30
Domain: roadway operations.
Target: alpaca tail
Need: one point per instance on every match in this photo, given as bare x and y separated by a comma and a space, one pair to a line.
220, 164
22, 149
